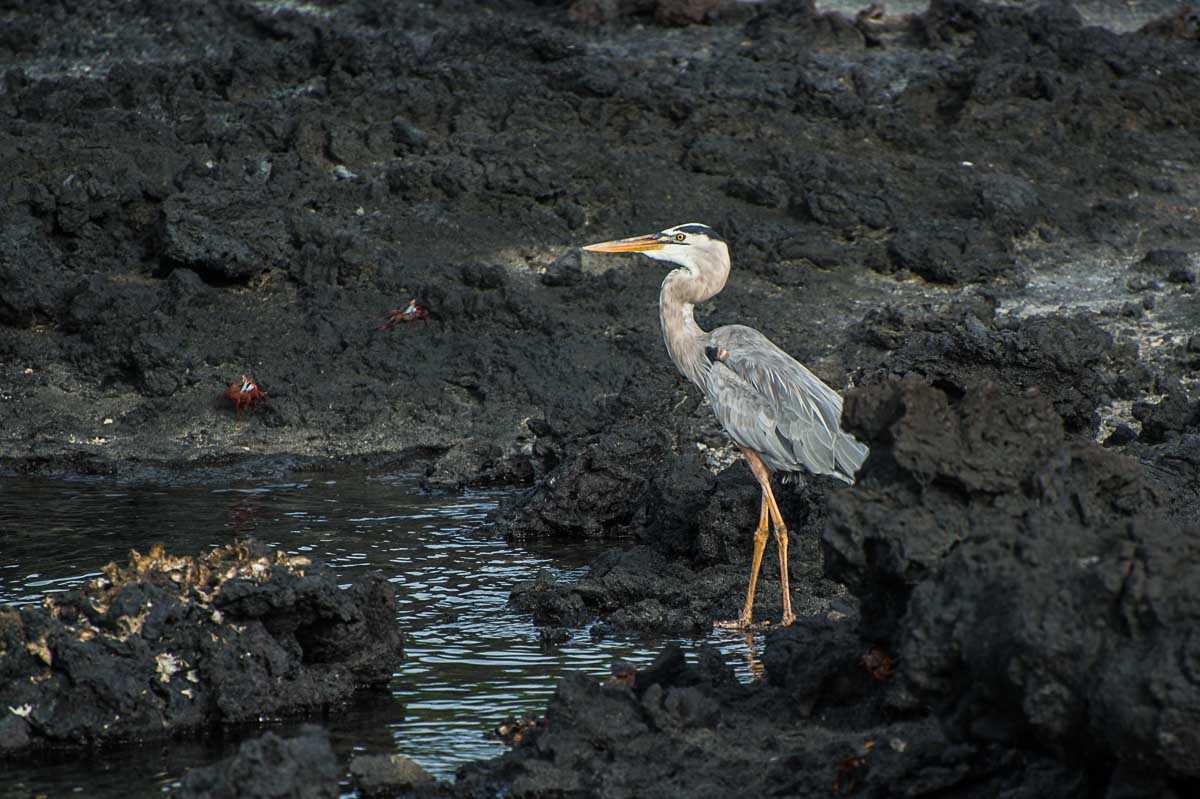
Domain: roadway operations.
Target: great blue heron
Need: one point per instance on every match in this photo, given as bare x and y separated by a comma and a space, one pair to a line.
781, 416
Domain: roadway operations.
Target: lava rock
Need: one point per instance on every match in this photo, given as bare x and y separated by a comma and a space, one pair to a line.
386, 775
676, 728
1164, 261
1072, 361
1172, 414
947, 253
980, 583
171, 645
945, 468
693, 533
270, 767
999, 623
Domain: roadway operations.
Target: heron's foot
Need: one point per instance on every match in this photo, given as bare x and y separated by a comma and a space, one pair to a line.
733, 624
741, 625
788, 619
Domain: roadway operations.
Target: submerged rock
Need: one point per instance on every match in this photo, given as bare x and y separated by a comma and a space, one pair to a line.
270, 767
381, 776
169, 645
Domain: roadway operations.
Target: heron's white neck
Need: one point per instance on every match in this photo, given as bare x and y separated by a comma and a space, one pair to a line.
681, 290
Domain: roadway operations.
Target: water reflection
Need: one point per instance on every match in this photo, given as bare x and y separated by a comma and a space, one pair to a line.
470, 659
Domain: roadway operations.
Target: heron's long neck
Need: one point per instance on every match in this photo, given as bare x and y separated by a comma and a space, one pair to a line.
685, 339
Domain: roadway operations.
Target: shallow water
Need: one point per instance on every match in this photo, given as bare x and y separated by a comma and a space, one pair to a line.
470, 660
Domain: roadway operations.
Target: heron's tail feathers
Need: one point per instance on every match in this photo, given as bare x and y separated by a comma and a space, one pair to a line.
848, 456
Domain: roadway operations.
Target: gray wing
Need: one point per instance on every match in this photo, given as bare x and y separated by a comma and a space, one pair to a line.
768, 402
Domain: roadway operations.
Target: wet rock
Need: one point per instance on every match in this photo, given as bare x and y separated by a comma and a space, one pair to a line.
689, 538
171, 645
386, 775
270, 767
676, 728
618, 483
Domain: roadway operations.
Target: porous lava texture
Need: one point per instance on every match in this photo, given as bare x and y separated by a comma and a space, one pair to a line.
300, 767
983, 221
173, 645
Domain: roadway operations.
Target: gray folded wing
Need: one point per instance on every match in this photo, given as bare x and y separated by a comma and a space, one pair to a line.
769, 402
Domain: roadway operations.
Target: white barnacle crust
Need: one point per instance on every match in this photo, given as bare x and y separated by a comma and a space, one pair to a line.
168, 664
23, 710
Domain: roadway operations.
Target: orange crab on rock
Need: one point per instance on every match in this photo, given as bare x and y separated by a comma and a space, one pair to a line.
244, 393
409, 313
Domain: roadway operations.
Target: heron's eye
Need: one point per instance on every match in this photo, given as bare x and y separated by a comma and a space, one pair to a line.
680, 237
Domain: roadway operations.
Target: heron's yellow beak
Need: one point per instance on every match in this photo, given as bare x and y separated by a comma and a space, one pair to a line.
636, 244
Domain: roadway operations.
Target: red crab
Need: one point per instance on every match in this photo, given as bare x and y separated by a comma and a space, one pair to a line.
879, 664
852, 770
408, 313
244, 393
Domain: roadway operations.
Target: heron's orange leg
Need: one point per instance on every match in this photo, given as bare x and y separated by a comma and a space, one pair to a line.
760, 544
769, 510
781, 544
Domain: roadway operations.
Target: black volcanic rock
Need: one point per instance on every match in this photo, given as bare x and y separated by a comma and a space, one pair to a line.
677, 728
301, 767
175, 645
980, 537
683, 538
196, 191
1072, 361
945, 468
970, 144
994, 641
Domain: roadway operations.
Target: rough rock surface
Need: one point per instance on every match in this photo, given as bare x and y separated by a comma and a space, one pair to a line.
691, 560
689, 729
270, 767
171, 645
986, 216
381, 776
946, 467
251, 188
977, 539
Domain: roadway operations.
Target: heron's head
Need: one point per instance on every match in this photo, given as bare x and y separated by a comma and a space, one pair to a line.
692, 246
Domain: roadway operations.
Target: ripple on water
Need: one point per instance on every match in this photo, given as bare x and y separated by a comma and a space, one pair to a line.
470, 659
